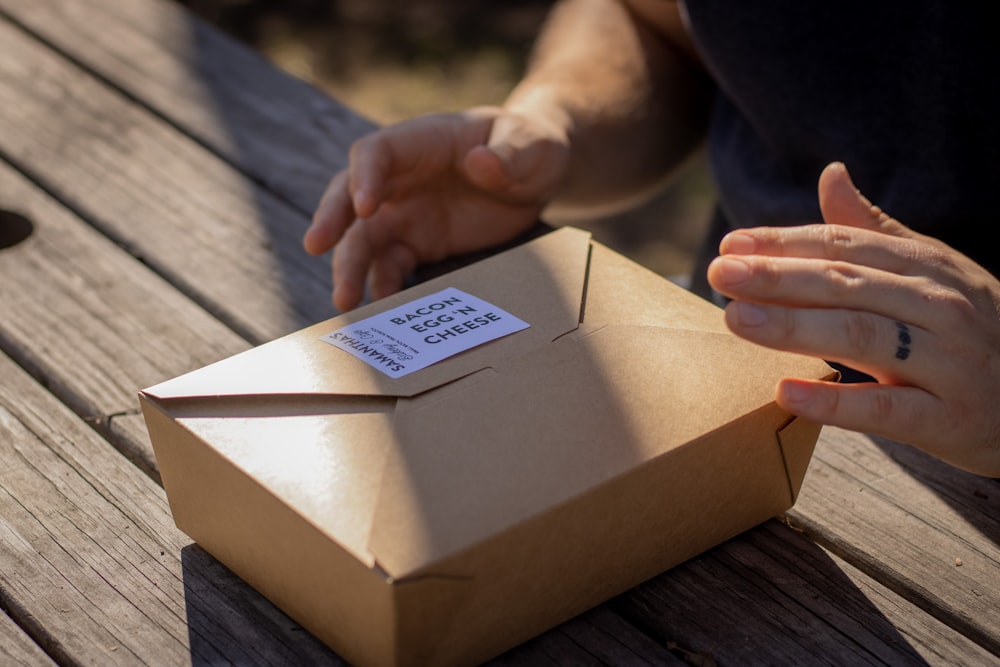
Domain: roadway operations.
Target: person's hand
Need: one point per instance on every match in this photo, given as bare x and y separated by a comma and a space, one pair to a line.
432, 187
868, 292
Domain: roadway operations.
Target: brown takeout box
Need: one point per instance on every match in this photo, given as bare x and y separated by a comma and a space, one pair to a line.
445, 516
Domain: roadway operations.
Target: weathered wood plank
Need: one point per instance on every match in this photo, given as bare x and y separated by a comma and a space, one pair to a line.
17, 649
93, 562
225, 241
771, 596
598, 637
284, 132
91, 321
928, 530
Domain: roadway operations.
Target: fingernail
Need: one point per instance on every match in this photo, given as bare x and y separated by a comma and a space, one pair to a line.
732, 271
795, 393
749, 314
309, 240
737, 243
362, 201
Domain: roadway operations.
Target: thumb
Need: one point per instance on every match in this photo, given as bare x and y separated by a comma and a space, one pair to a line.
843, 204
488, 169
523, 158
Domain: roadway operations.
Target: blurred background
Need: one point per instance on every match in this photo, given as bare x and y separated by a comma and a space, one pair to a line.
391, 60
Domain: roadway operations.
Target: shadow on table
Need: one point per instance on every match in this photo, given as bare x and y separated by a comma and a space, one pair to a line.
768, 596
975, 498
231, 623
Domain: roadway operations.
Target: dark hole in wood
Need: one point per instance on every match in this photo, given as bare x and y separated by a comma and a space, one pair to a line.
14, 228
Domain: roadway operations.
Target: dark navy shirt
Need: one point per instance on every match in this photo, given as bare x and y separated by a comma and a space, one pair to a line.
905, 93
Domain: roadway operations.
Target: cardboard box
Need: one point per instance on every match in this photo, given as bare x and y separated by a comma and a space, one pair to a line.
447, 515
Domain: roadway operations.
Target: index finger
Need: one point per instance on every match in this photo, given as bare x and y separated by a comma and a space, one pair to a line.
331, 218
352, 259
863, 247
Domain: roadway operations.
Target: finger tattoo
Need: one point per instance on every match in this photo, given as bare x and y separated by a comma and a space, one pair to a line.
903, 349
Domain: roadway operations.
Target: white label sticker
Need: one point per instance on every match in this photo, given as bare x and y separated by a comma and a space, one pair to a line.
424, 332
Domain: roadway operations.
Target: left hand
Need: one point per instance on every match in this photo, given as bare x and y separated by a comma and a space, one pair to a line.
866, 291
432, 187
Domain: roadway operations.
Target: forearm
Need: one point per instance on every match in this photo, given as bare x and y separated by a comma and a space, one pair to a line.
631, 99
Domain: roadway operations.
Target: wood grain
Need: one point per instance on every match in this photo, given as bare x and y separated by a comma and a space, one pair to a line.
772, 596
17, 649
598, 637
925, 529
92, 322
284, 133
228, 243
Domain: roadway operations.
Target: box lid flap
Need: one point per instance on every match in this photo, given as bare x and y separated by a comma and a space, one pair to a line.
541, 282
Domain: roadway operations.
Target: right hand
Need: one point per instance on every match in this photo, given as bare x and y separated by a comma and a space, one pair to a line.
431, 187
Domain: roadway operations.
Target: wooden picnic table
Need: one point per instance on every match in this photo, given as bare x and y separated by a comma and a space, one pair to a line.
155, 181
